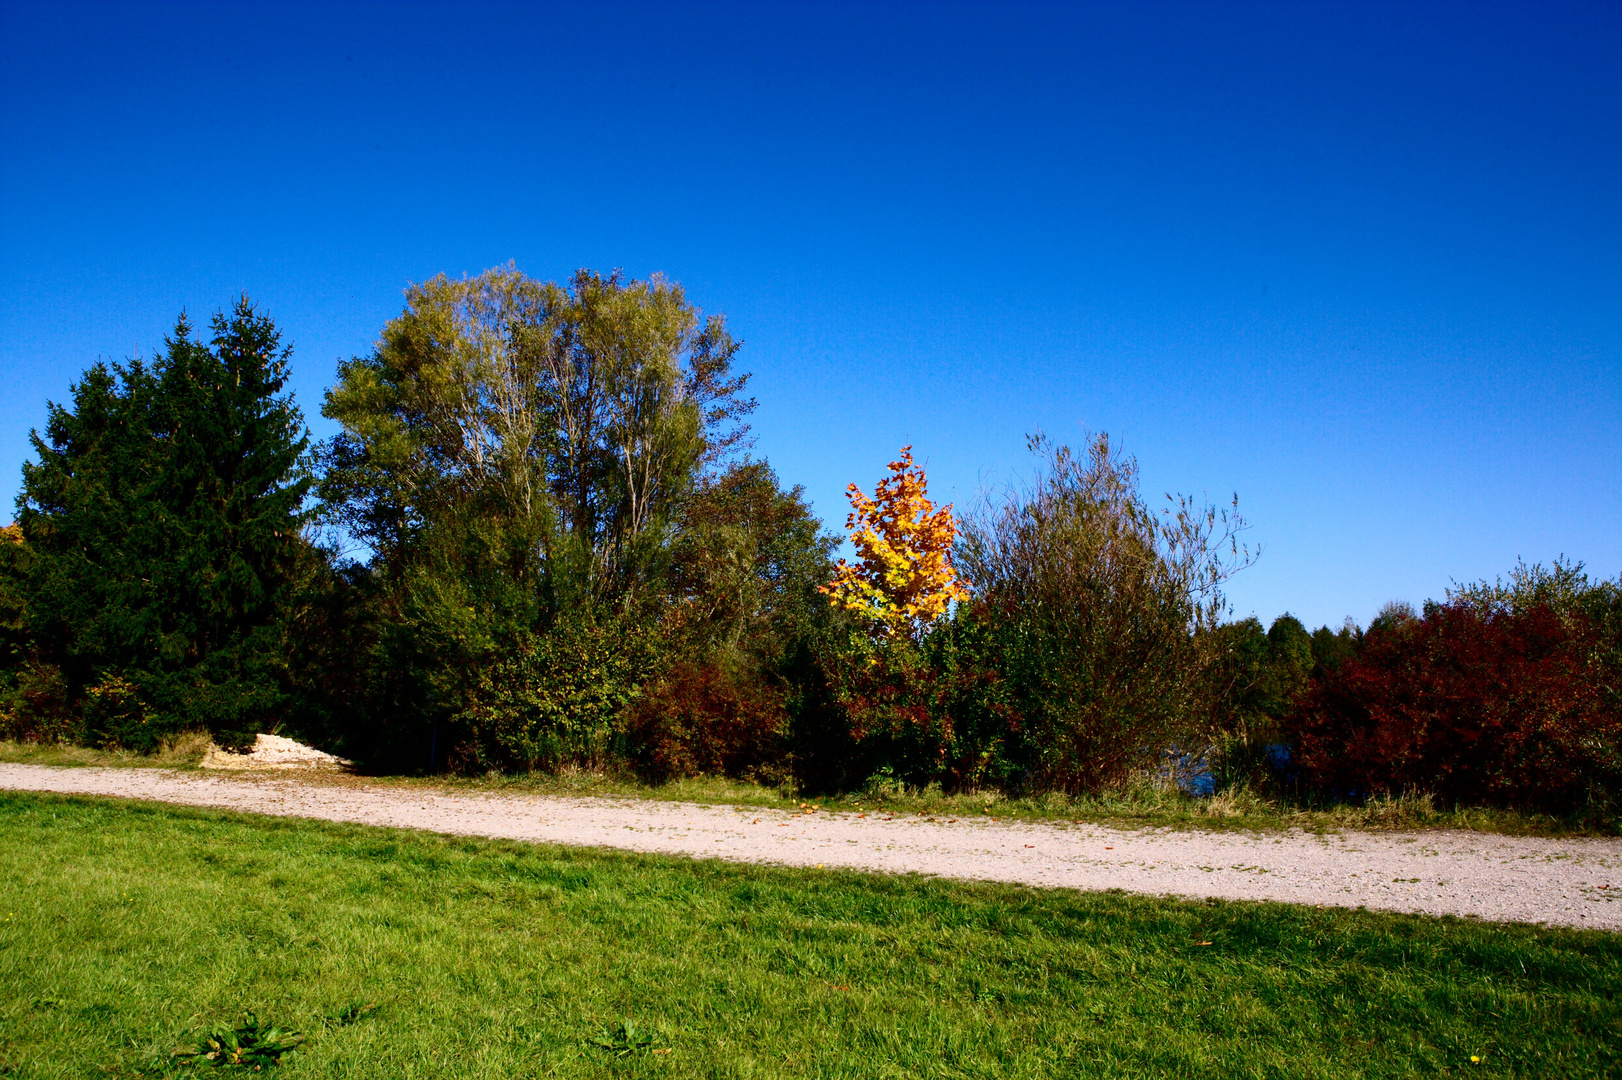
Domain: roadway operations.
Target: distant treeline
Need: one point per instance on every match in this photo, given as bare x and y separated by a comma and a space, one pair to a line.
540, 541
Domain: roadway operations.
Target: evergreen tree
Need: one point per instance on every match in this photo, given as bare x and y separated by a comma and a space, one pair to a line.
163, 522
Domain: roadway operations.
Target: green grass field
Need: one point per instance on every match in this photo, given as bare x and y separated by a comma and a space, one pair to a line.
127, 929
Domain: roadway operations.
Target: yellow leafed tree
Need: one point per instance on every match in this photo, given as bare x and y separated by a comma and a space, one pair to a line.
904, 579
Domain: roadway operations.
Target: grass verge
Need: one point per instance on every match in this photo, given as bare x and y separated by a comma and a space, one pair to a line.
128, 929
1144, 803
185, 750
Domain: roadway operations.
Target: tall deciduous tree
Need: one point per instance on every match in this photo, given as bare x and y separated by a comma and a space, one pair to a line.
569, 420
162, 522
517, 455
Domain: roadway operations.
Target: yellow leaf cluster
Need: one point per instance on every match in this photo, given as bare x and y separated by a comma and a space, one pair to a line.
904, 579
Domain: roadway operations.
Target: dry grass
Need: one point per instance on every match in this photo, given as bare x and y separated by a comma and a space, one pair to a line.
180, 751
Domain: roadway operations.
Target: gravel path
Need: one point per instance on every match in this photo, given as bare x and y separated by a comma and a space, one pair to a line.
1569, 882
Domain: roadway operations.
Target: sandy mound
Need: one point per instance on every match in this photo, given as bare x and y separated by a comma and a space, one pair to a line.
272, 752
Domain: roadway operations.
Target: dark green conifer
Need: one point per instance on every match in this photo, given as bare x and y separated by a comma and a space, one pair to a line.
163, 521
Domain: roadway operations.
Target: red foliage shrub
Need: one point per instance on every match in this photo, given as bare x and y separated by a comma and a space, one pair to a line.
38, 709
697, 720
1506, 708
937, 711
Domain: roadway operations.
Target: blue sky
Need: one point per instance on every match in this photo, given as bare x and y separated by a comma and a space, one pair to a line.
1360, 264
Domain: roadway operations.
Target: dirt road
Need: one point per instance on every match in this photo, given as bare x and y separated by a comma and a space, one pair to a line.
1568, 882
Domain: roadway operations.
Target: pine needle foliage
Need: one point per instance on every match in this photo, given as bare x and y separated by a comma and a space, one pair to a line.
161, 522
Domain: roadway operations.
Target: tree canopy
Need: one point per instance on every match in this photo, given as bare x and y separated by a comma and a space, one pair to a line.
559, 426
570, 558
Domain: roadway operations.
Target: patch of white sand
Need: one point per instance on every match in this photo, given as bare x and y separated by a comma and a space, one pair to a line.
272, 752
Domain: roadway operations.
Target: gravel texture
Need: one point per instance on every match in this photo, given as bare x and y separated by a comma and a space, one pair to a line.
1568, 882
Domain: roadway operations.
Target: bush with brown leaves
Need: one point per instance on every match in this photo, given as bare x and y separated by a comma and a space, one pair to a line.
698, 720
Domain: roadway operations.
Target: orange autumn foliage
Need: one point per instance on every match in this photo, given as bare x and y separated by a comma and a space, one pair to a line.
904, 580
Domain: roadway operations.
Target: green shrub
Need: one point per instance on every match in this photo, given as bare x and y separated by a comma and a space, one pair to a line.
116, 717
1100, 611
1256, 680
553, 698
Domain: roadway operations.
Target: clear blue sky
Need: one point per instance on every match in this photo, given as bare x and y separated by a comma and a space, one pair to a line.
1360, 264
